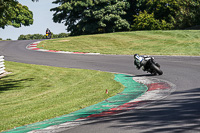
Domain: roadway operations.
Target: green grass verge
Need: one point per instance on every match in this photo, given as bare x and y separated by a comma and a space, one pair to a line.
33, 93
170, 42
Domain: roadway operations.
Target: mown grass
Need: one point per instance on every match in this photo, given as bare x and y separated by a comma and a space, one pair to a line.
33, 93
170, 42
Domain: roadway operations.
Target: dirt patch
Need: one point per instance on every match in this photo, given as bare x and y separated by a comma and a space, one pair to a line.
64, 41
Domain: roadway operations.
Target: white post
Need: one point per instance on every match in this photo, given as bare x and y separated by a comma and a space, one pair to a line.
2, 66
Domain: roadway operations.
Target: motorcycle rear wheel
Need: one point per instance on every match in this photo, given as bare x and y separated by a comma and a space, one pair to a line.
157, 69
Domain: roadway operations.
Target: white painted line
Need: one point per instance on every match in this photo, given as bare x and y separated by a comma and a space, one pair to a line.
42, 50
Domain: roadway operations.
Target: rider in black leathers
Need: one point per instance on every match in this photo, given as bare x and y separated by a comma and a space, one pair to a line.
48, 32
140, 61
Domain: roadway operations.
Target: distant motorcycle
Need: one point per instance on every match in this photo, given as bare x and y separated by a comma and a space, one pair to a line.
48, 35
151, 66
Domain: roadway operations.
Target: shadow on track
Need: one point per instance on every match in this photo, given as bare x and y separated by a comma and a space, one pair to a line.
143, 75
181, 115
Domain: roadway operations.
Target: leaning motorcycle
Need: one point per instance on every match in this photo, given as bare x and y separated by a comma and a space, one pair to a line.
151, 66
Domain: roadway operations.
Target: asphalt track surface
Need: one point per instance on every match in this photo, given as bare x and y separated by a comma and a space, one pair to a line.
179, 112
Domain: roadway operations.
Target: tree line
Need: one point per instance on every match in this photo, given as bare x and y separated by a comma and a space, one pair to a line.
96, 16
104, 16
40, 36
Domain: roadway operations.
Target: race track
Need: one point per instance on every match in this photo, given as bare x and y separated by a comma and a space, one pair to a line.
179, 112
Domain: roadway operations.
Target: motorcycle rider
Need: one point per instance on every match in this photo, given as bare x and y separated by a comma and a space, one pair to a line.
48, 32
140, 61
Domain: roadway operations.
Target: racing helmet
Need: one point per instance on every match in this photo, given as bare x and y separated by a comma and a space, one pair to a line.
135, 56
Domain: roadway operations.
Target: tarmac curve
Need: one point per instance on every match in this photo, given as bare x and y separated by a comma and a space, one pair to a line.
179, 112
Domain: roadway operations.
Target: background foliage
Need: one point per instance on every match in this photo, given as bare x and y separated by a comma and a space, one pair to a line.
145, 21
92, 16
40, 36
15, 14
104, 16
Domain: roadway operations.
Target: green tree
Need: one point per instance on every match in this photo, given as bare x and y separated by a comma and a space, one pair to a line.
22, 37
92, 16
180, 13
188, 14
135, 7
145, 21
99, 16
40, 36
163, 9
31, 37
62, 35
15, 14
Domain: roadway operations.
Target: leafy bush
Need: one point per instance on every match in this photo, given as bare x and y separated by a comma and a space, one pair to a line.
31, 37
40, 36
145, 21
61, 35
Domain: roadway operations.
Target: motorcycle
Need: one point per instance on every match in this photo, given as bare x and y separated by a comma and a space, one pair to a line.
151, 66
48, 35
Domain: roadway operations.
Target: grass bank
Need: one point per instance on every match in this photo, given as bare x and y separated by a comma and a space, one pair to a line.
170, 42
33, 93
